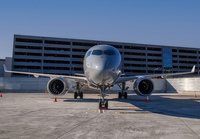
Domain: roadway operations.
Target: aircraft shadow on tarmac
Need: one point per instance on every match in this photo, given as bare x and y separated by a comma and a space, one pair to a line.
176, 105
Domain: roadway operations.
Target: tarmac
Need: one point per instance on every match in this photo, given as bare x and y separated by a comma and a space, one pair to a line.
37, 116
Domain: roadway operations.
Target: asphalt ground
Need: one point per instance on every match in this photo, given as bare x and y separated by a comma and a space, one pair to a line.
37, 116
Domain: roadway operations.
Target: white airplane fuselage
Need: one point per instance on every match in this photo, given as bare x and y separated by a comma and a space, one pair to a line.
102, 66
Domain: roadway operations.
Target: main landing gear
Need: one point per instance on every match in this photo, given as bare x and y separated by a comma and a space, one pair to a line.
103, 104
78, 92
122, 93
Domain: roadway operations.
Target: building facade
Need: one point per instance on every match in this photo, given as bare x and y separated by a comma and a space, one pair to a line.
8, 62
2, 62
64, 56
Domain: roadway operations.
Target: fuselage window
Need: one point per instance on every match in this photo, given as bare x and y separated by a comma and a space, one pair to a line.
97, 52
88, 54
109, 52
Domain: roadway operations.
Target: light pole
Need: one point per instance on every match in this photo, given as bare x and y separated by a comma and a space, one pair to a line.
155, 70
198, 72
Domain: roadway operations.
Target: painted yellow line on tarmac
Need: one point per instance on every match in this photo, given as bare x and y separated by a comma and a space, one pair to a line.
110, 94
116, 96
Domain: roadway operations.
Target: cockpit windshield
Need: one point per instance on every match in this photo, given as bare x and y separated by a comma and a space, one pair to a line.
88, 54
109, 52
97, 52
103, 52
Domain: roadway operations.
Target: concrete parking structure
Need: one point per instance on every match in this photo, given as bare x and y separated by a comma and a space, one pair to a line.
65, 56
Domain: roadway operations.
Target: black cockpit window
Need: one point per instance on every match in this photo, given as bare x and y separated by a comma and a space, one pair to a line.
109, 52
97, 52
88, 54
103, 52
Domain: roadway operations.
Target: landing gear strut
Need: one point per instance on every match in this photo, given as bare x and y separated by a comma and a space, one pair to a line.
103, 104
122, 93
78, 92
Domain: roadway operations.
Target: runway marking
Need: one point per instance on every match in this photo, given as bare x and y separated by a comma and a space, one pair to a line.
115, 96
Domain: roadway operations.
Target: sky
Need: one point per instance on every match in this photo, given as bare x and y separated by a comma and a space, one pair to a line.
159, 22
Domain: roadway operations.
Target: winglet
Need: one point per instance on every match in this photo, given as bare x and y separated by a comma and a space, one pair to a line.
193, 69
5, 69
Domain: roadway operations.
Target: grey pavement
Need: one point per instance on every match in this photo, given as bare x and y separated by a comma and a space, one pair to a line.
36, 115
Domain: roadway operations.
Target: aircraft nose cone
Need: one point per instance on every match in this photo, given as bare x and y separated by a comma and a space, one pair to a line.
101, 71
103, 64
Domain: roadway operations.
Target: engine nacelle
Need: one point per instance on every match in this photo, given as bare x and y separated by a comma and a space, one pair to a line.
58, 86
143, 86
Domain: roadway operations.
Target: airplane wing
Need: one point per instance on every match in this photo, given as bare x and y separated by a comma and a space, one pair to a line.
79, 74
36, 75
125, 79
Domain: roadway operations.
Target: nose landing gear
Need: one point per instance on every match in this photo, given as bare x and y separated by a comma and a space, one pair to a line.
103, 104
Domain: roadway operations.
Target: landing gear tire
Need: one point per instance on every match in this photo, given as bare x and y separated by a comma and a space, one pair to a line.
75, 95
125, 95
103, 106
100, 104
106, 104
81, 95
119, 95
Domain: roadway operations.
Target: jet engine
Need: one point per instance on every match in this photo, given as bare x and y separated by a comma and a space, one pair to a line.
143, 86
58, 86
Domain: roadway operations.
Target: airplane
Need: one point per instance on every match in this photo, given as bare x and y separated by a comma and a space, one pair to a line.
102, 70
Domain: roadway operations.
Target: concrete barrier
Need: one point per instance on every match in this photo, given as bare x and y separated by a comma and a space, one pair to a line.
23, 84
183, 85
